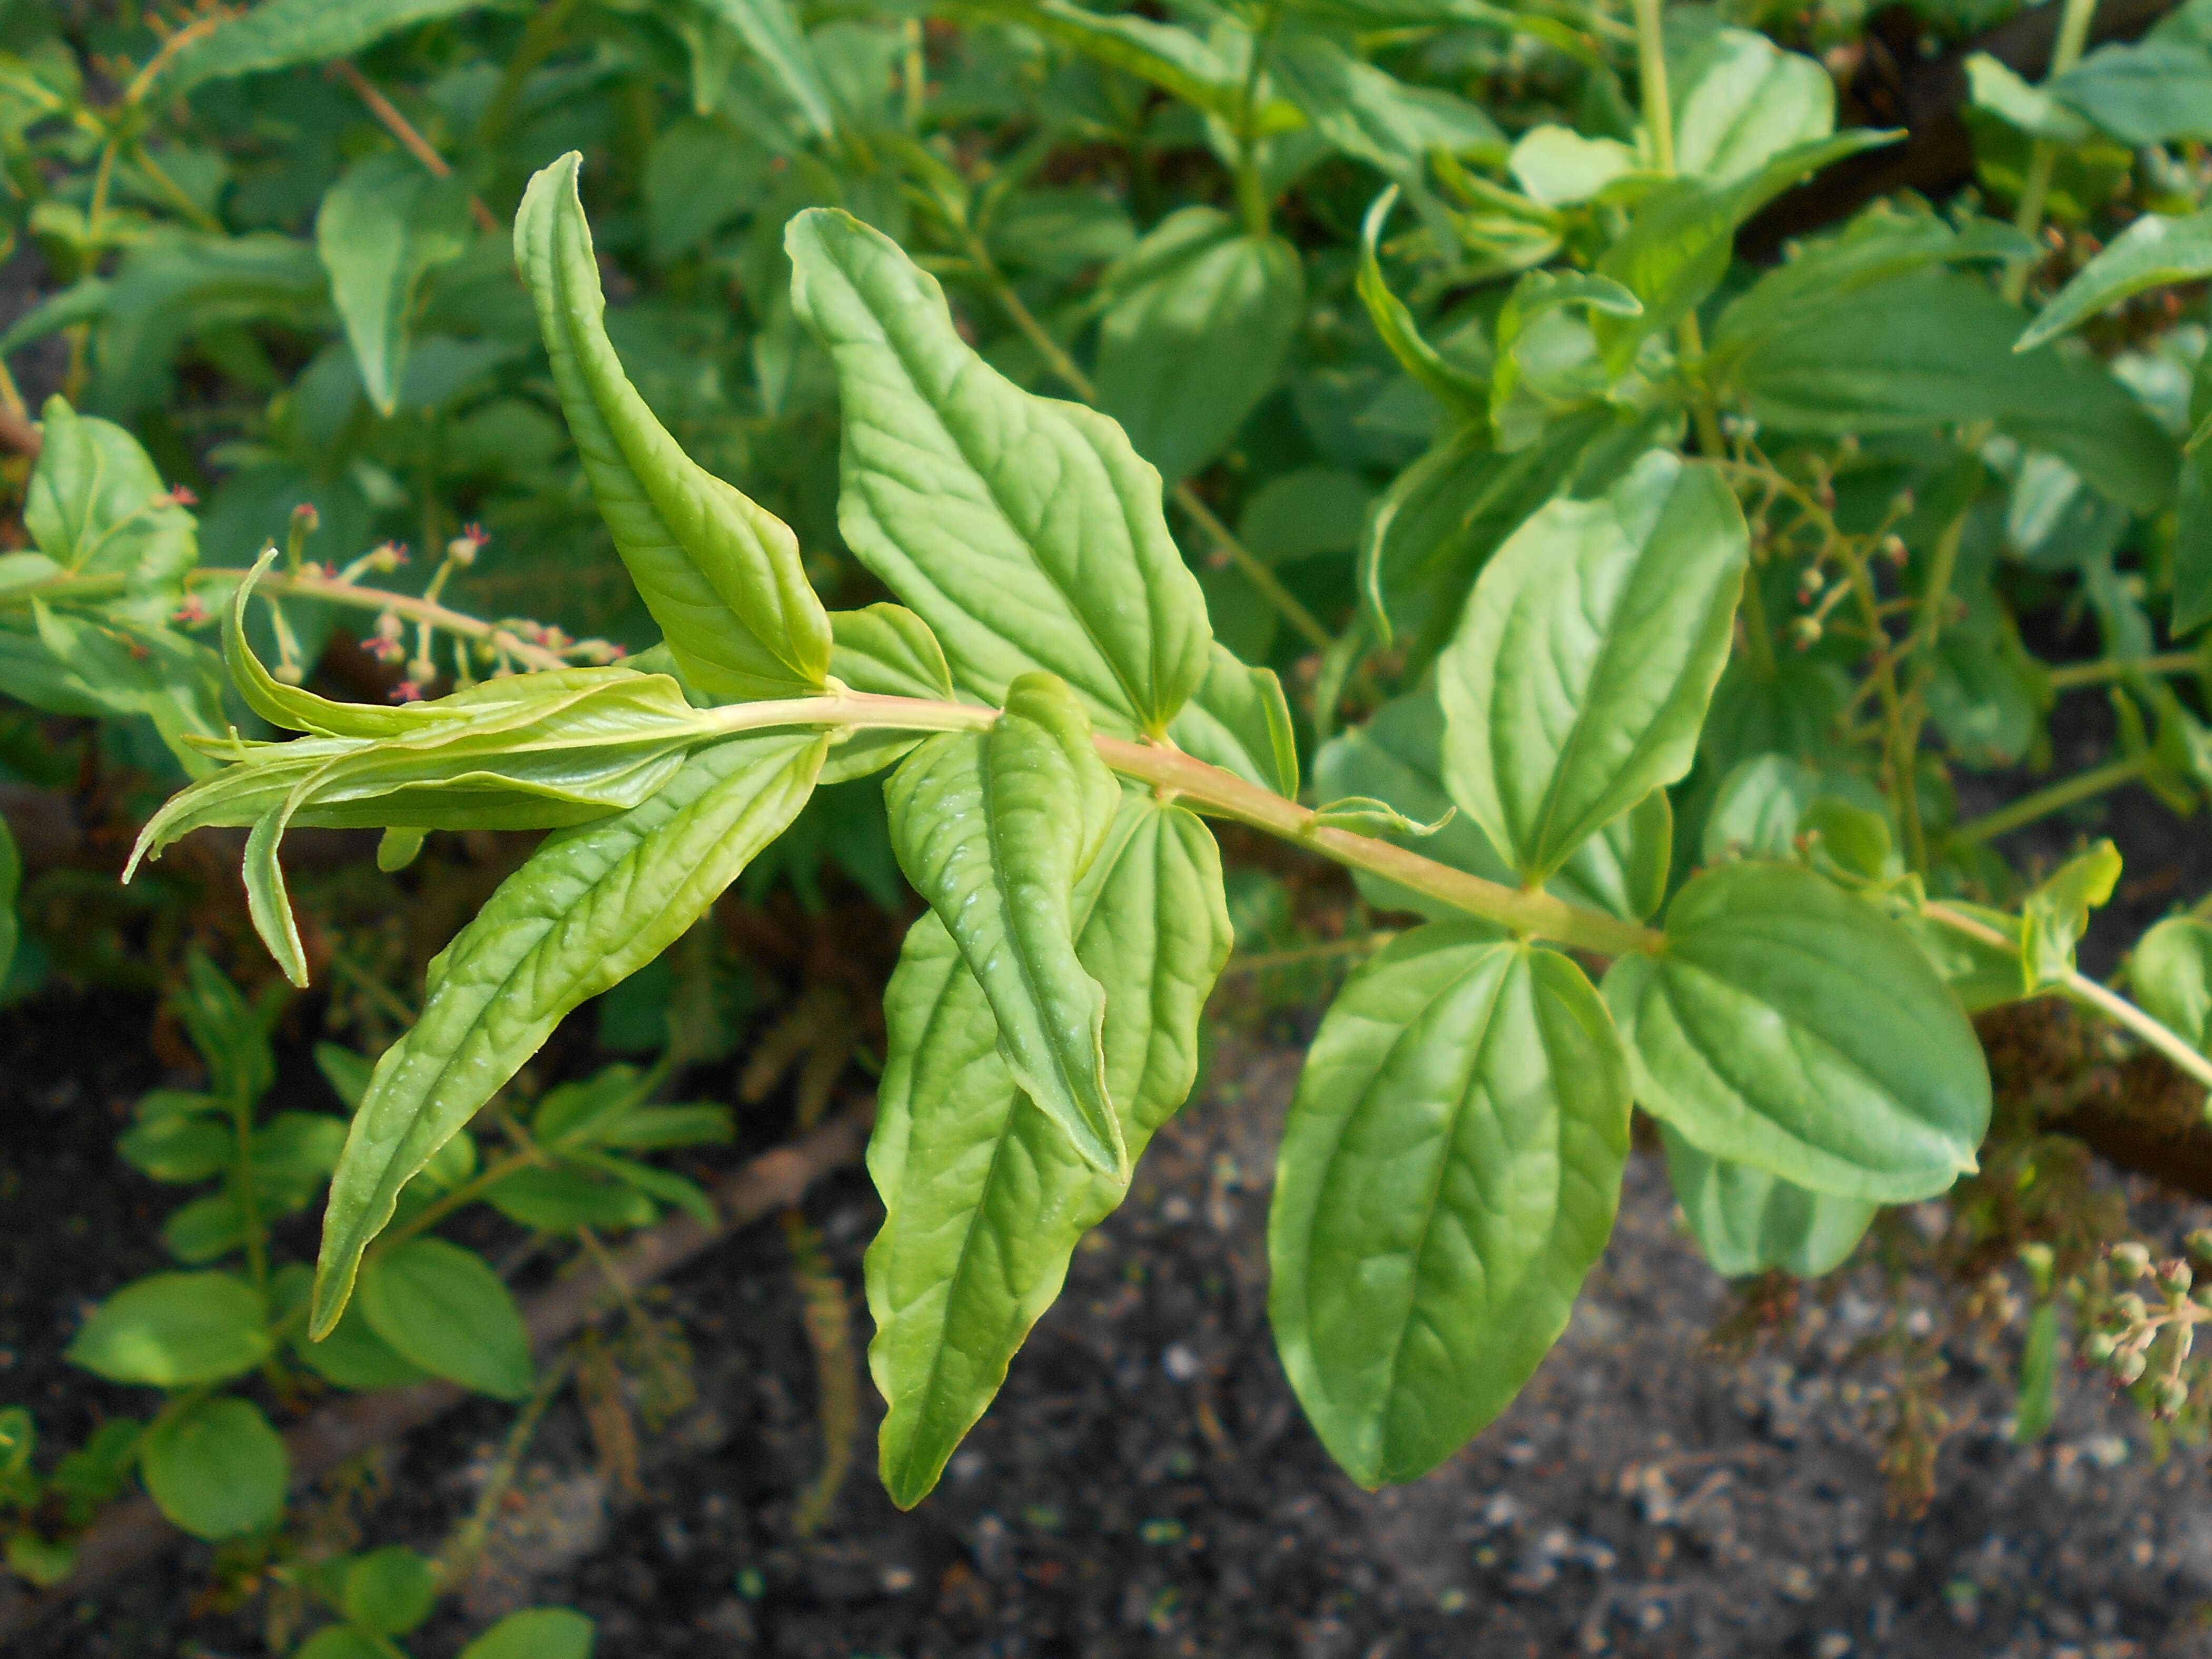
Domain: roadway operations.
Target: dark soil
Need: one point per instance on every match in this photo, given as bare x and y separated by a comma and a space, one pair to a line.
1147, 1487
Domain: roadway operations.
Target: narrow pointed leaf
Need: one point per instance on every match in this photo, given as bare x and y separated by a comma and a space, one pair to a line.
1448, 1175
1025, 532
381, 228
1792, 1027
771, 34
589, 908
1586, 657
2152, 252
721, 575
985, 1199
994, 828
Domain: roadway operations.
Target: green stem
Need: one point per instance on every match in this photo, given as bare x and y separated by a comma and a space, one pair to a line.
1920, 654
333, 591
2068, 675
1651, 74
2043, 159
1251, 188
249, 1196
1217, 794
2082, 786
1070, 373
2114, 1006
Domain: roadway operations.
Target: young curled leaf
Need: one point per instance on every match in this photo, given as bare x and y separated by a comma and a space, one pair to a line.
721, 575
1024, 531
589, 908
1369, 817
994, 828
984, 1197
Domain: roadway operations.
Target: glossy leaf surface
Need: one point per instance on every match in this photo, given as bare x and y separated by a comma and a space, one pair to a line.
1449, 1173
1579, 677
589, 908
1792, 1027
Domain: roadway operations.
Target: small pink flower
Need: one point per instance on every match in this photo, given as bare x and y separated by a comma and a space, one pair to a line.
180, 496
191, 613
406, 691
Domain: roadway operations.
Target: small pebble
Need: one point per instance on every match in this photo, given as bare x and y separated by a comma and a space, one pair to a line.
1180, 1364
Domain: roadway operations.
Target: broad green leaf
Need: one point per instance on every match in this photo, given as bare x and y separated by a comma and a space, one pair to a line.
1792, 1027
216, 1469
591, 907
342, 1641
1441, 520
174, 1331
1239, 721
353, 1355
560, 1200
984, 1198
1200, 324
1449, 1173
699, 176
172, 287
1681, 236
389, 1591
382, 228
1368, 112
2055, 915
536, 1633
2150, 91
994, 828
1992, 85
1172, 58
1766, 800
2154, 251
721, 575
1935, 348
1742, 102
2170, 975
281, 34
96, 507
772, 35
1397, 756
1581, 671
1024, 531
1981, 974
884, 650
442, 1308
1559, 168
1747, 1221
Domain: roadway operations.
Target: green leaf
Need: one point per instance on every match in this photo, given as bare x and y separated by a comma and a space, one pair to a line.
1239, 721
2151, 92
560, 1200
382, 228
1174, 59
353, 1355
1792, 1027
216, 1469
2153, 252
721, 575
1459, 390
389, 1591
1993, 85
2056, 914
771, 34
2170, 975
441, 1307
1024, 531
342, 1641
1747, 1221
1560, 167
1935, 348
994, 828
175, 1331
1368, 112
1743, 101
589, 908
280, 33
888, 651
2038, 1376
1449, 1173
984, 1197
96, 507
536, 1633
1200, 324
1583, 665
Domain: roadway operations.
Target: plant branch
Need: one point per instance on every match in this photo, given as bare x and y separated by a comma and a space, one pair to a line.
410, 137
2078, 985
334, 592
2043, 160
2041, 803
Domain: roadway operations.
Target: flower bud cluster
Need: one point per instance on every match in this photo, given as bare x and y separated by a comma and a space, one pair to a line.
2146, 1334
